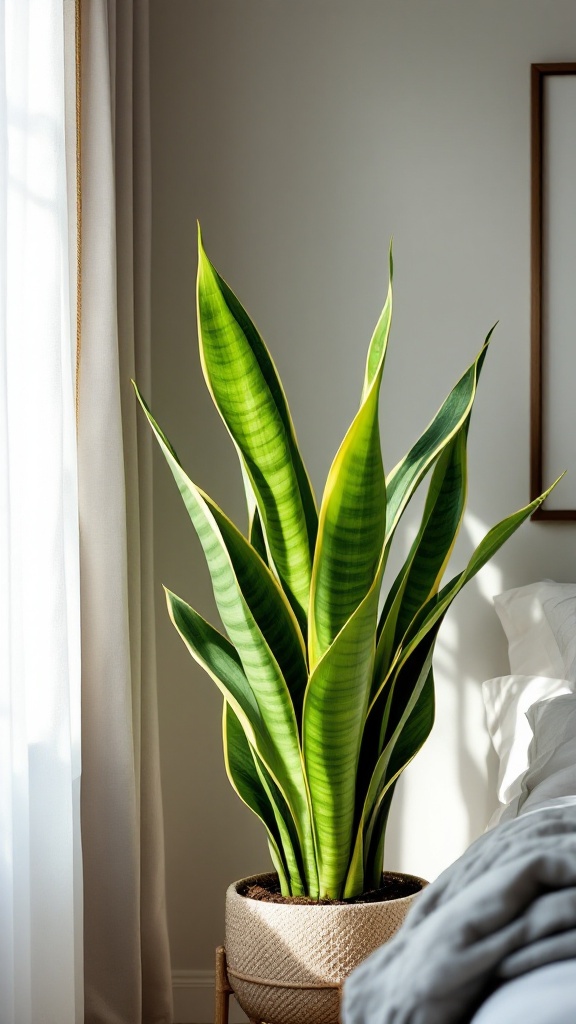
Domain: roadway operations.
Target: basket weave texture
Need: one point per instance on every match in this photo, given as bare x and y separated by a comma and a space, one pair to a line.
281, 945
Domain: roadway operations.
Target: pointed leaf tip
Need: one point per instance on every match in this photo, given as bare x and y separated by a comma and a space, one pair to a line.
206, 271
545, 494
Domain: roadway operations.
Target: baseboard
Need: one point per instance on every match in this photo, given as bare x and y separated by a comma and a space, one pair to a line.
194, 999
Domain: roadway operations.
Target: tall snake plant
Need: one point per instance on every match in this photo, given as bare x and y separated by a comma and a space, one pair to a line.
326, 699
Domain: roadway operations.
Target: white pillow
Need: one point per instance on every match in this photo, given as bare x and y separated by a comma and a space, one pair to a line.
507, 699
551, 771
540, 624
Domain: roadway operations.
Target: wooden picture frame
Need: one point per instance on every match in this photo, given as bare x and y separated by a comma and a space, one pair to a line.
553, 253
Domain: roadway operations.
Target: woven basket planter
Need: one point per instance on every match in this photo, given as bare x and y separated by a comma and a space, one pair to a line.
286, 961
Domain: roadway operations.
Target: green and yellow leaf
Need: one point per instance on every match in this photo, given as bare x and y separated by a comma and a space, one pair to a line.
248, 596
257, 789
248, 394
265, 722
406, 476
333, 721
422, 572
352, 515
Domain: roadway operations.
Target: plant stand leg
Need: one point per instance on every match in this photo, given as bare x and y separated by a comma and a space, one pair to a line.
224, 990
222, 987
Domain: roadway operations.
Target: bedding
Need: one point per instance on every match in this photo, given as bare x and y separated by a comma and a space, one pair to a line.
545, 995
551, 775
507, 700
539, 621
497, 929
506, 907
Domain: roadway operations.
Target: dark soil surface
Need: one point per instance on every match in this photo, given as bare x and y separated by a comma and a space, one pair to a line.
393, 887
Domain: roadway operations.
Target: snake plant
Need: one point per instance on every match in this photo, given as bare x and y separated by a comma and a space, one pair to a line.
326, 698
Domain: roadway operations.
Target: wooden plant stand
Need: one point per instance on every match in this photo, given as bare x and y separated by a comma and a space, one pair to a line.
223, 988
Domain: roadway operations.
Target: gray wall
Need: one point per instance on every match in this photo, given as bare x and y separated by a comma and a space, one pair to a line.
303, 135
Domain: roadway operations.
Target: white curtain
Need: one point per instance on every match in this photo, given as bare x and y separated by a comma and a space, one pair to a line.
40, 873
83, 937
127, 964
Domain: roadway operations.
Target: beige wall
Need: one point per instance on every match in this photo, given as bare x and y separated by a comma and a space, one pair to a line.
303, 134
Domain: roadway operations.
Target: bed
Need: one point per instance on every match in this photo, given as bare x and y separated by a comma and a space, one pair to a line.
493, 939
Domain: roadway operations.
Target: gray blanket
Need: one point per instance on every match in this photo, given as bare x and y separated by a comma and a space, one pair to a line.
506, 906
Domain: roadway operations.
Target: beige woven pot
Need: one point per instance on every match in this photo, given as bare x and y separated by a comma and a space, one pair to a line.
286, 961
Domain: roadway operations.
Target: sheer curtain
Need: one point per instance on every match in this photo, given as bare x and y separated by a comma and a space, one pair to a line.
83, 934
127, 964
40, 872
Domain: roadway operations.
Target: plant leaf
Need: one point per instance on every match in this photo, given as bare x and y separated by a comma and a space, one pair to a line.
430, 553
410, 740
333, 720
254, 784
436, 607
220, 659
248, 394
442, 521
249, 599
410, 718
255, 532
352, 515
256, 536
379, 341
382, 778
267, 729
258, 791
404, 479
236, 570
375, 858
244, 779
401, 694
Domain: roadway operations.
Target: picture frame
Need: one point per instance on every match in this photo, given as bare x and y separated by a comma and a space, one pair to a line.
553, 288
